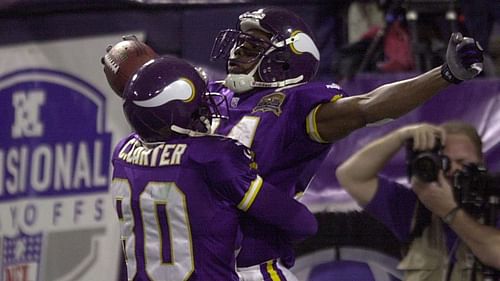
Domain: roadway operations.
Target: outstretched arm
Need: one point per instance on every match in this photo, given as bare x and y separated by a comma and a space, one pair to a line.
335, 120
389, 101
358, 174
483, 240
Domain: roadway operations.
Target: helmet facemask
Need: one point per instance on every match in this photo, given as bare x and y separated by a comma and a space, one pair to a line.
209, 109
229, 40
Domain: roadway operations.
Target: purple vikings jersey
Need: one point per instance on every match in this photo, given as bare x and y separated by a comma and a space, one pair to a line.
180, 202
278, 124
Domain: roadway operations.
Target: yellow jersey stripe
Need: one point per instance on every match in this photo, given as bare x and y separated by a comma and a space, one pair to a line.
250, 195
311, 125
336, 98
272, 271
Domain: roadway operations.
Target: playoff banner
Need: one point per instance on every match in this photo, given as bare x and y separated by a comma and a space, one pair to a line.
60, 121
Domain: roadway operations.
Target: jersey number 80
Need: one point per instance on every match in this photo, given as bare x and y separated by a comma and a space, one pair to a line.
149, 225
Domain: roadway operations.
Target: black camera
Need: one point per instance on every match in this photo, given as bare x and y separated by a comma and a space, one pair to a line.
478, 193
474, 186
426, 164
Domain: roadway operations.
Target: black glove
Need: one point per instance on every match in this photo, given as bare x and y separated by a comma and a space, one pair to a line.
464, 59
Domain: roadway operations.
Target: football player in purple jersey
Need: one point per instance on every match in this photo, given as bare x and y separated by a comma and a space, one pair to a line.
180, 193
289, 121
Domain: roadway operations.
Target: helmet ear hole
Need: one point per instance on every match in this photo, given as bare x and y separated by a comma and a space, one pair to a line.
276, 66
280, 56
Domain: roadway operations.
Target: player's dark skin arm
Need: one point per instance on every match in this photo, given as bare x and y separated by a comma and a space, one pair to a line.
337, 120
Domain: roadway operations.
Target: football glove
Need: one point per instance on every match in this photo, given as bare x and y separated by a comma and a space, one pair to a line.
464, 59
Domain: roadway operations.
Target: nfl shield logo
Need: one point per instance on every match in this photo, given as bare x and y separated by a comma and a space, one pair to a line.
234, 102
21, 257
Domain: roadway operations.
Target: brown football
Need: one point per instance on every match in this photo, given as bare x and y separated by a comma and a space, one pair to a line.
123, 59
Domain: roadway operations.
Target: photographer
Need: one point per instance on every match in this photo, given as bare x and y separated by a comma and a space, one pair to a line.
433, 250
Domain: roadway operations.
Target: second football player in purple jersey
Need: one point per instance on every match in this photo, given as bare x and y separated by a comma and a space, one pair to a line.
179, 194
288, 121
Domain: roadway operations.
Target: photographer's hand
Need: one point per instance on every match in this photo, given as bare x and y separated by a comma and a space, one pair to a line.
483, 240
424, 135
436, 196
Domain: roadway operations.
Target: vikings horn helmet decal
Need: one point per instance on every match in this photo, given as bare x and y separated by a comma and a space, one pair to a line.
166, 91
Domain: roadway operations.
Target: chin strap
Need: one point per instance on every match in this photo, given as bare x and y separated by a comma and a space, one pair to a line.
187, 132
278, 84
192, 133
240, 83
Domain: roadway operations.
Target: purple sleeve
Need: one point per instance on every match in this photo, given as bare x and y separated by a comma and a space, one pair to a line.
393, 205
275, 207
241, 185
231, 171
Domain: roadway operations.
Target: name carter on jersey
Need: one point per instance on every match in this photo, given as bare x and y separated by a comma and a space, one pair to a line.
164, 154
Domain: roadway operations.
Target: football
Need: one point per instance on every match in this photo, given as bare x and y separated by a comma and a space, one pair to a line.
123, 59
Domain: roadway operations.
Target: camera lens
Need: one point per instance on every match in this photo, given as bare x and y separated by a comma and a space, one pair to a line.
426, 167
